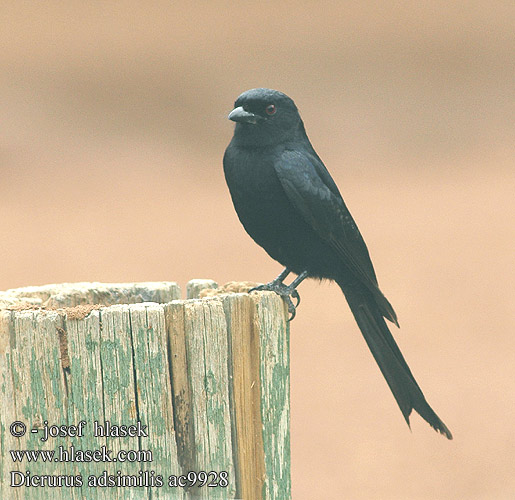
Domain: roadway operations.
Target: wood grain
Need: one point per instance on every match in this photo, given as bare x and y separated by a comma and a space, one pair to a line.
206, 379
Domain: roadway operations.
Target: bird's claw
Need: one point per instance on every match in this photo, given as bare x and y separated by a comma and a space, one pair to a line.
296, 296
285, 291
291, 308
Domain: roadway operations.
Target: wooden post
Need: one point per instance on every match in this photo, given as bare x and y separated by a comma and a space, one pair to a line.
201, 386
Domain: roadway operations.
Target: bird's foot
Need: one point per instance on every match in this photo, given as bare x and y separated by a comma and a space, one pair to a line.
287, 292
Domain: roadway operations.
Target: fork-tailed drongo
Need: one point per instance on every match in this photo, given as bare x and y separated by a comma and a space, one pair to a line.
289, 204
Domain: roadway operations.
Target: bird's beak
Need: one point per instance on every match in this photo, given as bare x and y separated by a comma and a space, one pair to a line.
242, 116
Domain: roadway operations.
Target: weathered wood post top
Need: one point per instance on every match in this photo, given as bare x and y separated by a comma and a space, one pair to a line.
120, 391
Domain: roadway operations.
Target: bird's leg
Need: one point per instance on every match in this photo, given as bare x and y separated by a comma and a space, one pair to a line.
285, 291
277, 282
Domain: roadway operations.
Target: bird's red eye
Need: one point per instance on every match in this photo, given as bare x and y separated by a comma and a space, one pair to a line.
270, 109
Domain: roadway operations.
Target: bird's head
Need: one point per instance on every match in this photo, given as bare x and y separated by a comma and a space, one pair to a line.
265, 117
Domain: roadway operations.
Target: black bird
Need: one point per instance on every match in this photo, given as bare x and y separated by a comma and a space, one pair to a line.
289, 204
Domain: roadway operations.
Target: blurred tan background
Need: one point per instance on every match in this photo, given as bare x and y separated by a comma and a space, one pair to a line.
112, 130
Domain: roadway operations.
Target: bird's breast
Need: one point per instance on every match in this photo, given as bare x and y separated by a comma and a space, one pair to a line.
269, 216
256, 191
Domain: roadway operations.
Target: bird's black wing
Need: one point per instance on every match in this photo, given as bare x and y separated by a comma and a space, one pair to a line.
310, 188
324, 210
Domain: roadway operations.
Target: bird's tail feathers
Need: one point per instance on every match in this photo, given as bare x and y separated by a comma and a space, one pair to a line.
407, 393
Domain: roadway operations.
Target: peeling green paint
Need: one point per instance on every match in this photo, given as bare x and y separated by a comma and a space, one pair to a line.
119, 371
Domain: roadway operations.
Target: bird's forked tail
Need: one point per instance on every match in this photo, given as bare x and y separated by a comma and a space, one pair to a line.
388, 356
